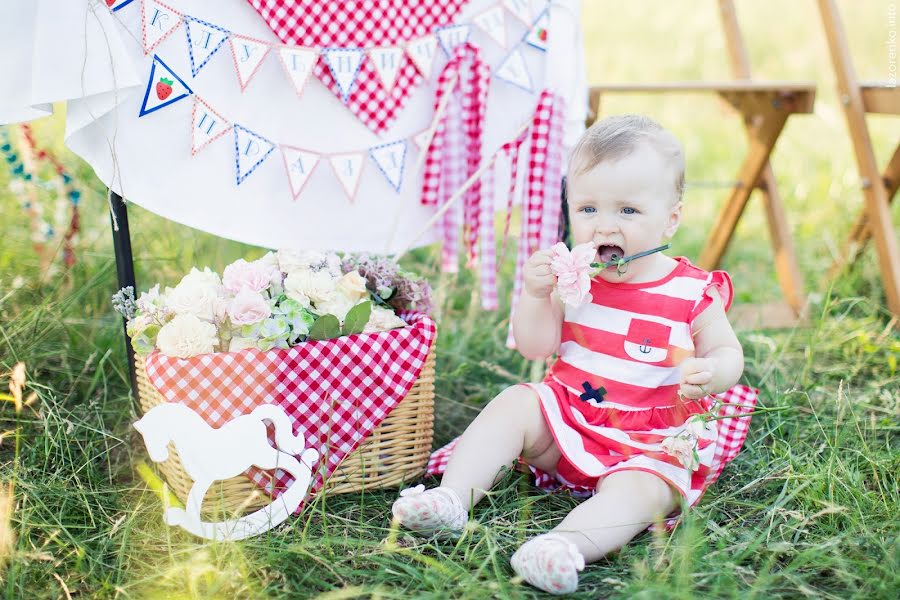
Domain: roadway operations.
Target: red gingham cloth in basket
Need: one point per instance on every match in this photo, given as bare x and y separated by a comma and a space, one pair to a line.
361, 24
335, 392
739, 400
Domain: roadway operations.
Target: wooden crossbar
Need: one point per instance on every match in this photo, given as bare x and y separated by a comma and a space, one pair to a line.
878, 189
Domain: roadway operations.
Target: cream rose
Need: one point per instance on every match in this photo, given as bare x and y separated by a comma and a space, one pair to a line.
248, 307
204, 277
683, 449
383, 319
353, 286
186, 336
698, 427
241, 343
317, 286
339, 305
199, 298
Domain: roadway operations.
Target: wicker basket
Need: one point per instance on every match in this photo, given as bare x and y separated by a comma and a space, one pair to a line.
396, 451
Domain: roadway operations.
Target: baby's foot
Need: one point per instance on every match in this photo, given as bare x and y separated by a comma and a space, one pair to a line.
549, 562
438, 510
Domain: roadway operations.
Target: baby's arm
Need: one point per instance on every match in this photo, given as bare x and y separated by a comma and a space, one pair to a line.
538, 317
719, 359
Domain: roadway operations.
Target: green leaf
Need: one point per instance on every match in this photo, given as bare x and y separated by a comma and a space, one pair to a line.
357, 318
326, 327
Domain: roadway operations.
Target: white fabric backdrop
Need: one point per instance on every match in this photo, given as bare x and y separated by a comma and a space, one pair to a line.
76, 50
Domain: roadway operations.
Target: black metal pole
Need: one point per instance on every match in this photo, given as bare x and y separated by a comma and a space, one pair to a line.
124, 267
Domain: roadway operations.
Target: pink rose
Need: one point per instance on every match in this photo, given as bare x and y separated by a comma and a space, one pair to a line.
255, 276
248, 307
573, 272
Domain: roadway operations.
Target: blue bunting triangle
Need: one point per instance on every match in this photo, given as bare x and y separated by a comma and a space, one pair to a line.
163, 88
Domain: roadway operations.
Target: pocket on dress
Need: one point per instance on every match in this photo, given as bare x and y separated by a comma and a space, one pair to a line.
647, 341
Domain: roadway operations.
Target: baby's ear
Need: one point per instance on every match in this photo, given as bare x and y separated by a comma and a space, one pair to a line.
674, 220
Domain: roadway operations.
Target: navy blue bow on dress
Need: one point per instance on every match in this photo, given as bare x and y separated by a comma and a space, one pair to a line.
592, 394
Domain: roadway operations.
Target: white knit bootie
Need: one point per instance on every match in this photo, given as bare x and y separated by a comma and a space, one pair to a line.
438, 510
549, 562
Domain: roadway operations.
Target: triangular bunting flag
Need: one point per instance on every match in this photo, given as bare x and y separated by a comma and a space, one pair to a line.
421, 51
391, 158
299, 165
203, 39
344, 64
164, 87
348, 168
514, 70
250, 150
539, 32
298, 63
157, 22
422, 139
452, 36
117, 4
521, 9
387, 63
248, 54
206, 125
493, 22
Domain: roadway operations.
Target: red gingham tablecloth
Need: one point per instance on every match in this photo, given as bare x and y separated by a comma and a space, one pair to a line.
739, 400
336, 392
361, 24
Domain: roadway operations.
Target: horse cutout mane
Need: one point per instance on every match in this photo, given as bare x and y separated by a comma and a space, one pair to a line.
210, 455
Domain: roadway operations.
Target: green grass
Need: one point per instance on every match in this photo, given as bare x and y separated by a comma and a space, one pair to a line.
809, 508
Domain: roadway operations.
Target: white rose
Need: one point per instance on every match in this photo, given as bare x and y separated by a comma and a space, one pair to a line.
339, 305
151, 302
241, 343
312, 260
198, 298
353, 286
318, 286
206, 277
683, 449
383, 319
698, 427
186, 336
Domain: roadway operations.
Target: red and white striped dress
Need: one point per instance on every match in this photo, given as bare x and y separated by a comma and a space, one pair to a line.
628, 343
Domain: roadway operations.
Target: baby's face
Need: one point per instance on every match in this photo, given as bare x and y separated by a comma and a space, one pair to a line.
625, 207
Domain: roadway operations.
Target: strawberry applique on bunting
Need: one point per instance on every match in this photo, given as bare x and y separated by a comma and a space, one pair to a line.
164, 88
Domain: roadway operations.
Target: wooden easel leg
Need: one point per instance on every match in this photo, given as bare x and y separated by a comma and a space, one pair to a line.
762, 139
861, 233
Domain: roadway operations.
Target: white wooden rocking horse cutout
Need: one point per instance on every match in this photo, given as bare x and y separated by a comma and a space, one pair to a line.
211, 454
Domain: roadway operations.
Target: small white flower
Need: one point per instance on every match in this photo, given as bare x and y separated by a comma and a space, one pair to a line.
684, 449
383, 319
700, 428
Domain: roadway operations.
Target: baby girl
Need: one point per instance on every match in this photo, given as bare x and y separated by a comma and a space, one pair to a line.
635, 362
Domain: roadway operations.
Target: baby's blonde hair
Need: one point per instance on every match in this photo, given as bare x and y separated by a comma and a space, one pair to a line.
615, 137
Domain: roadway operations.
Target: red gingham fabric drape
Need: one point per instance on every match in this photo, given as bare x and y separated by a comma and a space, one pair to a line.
362, 24
737, 403
335, 392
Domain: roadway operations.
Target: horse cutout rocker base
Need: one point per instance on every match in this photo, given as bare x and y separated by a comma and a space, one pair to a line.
211, 454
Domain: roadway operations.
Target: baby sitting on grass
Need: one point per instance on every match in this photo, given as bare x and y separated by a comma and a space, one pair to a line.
638, 359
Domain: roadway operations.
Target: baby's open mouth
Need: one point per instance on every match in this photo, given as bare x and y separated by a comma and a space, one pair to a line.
610, 254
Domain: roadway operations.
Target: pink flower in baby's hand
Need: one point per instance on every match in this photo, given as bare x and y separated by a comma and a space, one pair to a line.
573, 272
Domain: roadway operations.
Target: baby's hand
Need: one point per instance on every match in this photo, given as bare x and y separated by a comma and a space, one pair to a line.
538, 279
694, 373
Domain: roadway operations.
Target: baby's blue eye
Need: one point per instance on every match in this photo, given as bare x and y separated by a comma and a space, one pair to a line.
589, 209
627, 209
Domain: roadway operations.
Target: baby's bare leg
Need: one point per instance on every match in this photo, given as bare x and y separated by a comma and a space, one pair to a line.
626, 503
509, 426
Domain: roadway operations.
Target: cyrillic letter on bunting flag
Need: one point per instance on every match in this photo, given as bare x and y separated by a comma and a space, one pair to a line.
344, 65
157, 22
421, 51
539, 32
298, 63
387, 63
348, 167
164, 87
204, 39
514, 70
248, 54
452, 37
390, 159
493, 22
299, 164
207, 125
250, 150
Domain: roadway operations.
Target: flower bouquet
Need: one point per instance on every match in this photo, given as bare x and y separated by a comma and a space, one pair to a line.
344, 345
277, 301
